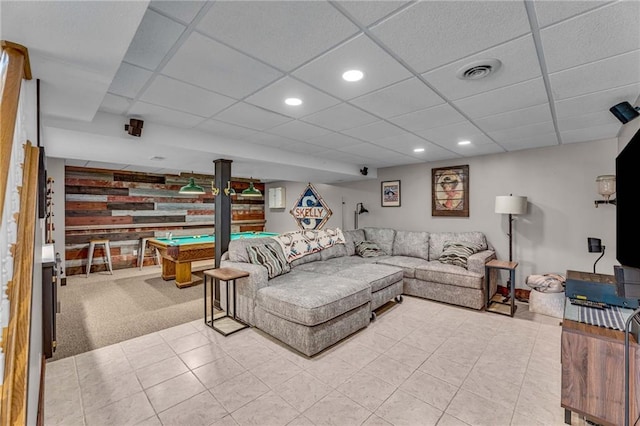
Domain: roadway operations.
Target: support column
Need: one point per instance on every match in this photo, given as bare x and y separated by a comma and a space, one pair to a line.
222, 170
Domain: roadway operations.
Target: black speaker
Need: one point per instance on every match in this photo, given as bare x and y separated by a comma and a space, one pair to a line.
364, 171
595, 245
624, 112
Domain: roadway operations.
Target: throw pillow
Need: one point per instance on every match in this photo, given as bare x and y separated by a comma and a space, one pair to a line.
368, 249
271, 257
457, 253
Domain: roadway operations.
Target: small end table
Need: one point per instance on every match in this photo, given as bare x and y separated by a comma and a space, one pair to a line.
494, 304
212, 278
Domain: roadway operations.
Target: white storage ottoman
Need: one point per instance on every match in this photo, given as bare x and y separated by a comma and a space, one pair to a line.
551, 304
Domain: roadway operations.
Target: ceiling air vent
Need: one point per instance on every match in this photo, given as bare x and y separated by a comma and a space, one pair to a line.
478, 69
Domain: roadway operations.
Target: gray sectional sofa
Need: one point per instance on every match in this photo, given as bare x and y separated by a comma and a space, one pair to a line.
330, 294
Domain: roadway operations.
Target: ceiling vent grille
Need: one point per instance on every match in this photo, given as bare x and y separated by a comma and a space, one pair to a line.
479, 69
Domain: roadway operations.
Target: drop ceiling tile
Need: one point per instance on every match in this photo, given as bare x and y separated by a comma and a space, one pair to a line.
368, 12
166, 116
334, 140
517, 96
403, 144
429, 118
400, 98
273, 96
377, 130
591, 133
449, 136
156, 35
303, 148
516, 118
475, 150
115, 104
129, 80
243, 114
219, 68
225, 130
283, 34
370, 151
598, 101
537, 141
361, 53
519, 63
467, 27
182, 10
435, 153
549, 12
340, 117
298, 130
602, 33
344, 157
171, 93
619, 70
576, 122
522, 132
267, 139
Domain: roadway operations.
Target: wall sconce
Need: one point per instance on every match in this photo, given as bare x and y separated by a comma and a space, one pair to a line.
358, 212
606, 188
595, 246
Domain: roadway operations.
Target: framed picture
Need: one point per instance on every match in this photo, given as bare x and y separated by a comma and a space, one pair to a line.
450, 191
390, 193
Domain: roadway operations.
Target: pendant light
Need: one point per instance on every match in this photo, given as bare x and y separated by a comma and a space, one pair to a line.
251, 191
191, 188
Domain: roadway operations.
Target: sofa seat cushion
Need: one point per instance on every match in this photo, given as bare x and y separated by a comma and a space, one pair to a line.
325, 268
309, 299
449, 274
347, 260
378, 276
407, 263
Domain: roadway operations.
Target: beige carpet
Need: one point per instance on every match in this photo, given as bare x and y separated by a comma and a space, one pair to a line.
105, 309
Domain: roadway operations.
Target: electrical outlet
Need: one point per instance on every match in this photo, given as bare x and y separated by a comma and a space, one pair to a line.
135, 252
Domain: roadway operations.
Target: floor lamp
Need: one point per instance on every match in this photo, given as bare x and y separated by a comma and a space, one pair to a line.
511, 205
358, 212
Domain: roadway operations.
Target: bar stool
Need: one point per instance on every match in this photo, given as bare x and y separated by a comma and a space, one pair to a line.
141, 250
107, 250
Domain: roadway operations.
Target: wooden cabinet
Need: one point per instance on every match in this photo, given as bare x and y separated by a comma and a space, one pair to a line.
593, 373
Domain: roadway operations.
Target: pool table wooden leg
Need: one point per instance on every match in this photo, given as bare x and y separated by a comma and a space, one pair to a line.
168, 269
183, 274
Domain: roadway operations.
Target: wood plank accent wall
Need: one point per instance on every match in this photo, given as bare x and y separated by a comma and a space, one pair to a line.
127, 206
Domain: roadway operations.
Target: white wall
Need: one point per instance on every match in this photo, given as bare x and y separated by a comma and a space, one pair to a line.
559, 183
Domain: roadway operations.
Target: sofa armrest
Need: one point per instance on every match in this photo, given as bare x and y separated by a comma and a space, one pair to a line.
257, 279
476, 262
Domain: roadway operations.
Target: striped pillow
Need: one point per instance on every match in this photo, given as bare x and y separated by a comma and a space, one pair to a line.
457, 253
368, 249
271, 257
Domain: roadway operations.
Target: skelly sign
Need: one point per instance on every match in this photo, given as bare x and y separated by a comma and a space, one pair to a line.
310, 211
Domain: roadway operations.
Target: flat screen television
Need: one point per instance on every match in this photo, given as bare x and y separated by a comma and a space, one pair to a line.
628, 220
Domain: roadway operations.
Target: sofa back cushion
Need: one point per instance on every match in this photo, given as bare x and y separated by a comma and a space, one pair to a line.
238, 248
337, 250
411, 243
313, 257
383, 237
437, 240
351, 238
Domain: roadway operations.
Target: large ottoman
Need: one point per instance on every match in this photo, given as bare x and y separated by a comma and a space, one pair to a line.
303, 311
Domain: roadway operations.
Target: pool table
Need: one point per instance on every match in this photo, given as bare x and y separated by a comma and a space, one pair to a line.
178, 252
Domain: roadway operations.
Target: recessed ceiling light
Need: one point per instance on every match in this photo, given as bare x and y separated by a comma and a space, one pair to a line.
353, 75
464, 142
293, 101
418, 150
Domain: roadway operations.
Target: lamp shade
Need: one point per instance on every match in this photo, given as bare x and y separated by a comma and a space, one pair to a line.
251, 191
606, 185
511, 204
192, 188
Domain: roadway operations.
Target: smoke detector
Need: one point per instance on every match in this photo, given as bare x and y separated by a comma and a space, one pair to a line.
479, 69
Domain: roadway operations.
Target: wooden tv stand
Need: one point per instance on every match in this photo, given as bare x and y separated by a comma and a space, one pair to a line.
593, 373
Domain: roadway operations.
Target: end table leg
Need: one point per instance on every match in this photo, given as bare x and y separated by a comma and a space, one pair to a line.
567, 416
512, 275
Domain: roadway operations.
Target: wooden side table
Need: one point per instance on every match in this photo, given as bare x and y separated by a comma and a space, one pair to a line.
224, 322
495, 304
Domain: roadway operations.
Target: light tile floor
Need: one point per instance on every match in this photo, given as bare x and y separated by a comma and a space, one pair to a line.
419, 363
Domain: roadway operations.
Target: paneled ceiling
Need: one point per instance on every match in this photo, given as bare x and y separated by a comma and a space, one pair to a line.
224, 68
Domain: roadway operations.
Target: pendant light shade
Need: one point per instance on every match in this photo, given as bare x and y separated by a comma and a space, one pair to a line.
251, 191
191, 188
